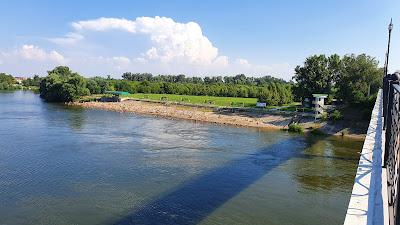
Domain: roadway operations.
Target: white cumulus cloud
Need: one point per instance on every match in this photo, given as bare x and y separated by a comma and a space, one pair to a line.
35, 60
171, 41
35, 53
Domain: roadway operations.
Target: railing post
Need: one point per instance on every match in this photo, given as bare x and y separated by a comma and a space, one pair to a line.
386, 84
391, 151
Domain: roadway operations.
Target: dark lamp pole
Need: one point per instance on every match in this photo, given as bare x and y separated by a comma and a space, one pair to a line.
390, 28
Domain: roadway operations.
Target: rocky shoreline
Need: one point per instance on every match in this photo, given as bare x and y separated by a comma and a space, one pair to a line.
213, 115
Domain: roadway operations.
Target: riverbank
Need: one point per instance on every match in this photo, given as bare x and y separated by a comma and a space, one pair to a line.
227, 116
202, 114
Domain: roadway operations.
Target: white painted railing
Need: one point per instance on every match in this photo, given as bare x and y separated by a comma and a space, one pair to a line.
368, 202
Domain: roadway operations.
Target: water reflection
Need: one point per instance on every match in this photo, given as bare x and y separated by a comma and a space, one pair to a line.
76, 118
331, 162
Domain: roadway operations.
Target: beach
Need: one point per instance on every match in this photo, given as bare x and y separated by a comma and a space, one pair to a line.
227, 116
202, 114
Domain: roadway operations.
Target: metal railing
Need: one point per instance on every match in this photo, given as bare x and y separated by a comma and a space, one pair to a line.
391, 114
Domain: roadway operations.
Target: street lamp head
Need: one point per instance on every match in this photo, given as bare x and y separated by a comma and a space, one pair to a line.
390, 25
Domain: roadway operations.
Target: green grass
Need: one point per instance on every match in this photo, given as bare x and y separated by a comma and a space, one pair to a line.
204, 100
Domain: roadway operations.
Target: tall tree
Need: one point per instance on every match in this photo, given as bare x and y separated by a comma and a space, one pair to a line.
317, 75
360, 76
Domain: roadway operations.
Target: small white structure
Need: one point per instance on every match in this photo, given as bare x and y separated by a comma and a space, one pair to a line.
317, 102
261, 104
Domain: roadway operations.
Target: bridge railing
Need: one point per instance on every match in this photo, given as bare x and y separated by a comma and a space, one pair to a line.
391, 161
368, 201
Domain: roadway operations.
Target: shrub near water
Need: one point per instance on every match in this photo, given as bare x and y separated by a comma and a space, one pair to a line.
295, 128
62, 85
336, 115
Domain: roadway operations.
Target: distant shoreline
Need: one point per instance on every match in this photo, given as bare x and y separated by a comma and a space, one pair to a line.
224, 116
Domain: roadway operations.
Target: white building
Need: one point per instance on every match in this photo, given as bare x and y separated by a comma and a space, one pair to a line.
317, 102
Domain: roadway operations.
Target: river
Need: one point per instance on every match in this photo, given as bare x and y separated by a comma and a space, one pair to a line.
67, 165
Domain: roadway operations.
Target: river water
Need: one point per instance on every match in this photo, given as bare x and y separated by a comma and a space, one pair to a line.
67, 165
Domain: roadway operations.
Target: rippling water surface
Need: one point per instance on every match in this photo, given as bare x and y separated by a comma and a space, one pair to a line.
63, 165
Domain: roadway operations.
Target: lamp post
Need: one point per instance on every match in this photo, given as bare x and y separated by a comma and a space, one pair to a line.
390, 28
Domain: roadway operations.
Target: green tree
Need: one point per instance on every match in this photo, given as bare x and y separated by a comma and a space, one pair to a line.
7, 82
317, 75
32, 82
360, 77
93, 86
62, 85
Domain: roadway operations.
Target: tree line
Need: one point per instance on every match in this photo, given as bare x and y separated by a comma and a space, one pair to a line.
238, 79
61, 84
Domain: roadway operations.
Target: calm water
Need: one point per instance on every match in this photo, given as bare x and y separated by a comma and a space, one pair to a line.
61, 165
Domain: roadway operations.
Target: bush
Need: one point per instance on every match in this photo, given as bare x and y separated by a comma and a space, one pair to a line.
336, 115
324, 116
62, 85
296, 128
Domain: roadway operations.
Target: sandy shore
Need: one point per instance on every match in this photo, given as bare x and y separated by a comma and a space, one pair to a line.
193, 113
215, 115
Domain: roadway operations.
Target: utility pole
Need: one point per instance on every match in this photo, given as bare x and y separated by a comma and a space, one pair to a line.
390, 28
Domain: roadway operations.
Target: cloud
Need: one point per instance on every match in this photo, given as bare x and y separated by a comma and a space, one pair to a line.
103, 24
171, 41
31, 52
69, 39
242, 62
222, 61
34, 59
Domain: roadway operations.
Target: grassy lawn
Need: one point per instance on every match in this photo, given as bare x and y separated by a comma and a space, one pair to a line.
200, 100
210, 100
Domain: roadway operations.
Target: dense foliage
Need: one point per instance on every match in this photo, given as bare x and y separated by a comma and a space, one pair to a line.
32, 82
352, 78
272, 93
238, 79
7, 82
360, 78
317, 75
62, 85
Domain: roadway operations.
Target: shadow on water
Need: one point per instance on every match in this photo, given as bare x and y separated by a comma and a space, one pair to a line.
199, 197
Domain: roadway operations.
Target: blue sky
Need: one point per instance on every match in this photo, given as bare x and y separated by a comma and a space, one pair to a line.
196, 38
